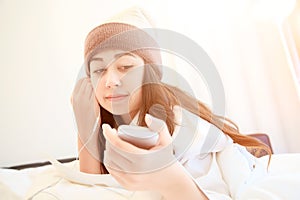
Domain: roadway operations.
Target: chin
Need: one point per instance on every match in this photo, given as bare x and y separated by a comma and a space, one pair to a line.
117, 110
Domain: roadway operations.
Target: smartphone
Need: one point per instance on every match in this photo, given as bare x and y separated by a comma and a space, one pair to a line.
139, 136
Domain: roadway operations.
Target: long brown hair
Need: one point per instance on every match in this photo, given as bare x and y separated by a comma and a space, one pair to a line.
159, 99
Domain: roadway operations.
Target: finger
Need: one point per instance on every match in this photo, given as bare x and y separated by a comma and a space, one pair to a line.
82, 88
112, 137
114, 160
77, 86
89, 90
154, 124
97, 84
132, 163
160, 127
107, 131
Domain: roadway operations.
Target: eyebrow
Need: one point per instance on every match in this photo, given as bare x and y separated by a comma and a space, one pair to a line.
100, 59
118, 55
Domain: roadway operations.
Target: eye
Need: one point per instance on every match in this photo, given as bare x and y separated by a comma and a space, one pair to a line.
99, 71
125, 67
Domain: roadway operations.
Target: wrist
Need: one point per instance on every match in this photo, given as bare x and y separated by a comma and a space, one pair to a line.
178, 184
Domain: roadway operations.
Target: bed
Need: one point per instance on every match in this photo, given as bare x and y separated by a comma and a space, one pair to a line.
63, 180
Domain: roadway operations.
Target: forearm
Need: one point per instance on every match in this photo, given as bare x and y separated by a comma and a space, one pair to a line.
182, 185
87, 162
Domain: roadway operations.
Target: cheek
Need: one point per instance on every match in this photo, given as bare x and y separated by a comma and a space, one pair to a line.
136, 97
133, 80
136, 93
133, 83
98, 87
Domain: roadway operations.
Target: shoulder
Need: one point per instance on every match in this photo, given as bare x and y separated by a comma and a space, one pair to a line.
196, 135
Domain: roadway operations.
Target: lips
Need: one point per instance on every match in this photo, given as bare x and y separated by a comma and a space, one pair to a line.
116, 97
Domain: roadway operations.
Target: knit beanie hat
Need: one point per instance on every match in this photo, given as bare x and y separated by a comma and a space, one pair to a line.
125, 31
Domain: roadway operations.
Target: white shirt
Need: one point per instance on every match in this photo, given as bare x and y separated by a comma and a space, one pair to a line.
220, 167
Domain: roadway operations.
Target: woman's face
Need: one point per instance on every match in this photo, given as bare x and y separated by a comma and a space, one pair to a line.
117, 78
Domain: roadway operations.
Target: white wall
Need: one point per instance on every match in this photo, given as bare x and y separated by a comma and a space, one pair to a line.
42, 50
41, 53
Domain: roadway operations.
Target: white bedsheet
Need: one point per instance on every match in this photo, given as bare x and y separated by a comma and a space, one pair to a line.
64, 181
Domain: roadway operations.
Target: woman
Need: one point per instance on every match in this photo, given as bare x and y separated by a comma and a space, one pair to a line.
123, 86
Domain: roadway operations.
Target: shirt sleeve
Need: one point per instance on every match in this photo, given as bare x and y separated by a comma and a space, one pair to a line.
239, 168
199, 159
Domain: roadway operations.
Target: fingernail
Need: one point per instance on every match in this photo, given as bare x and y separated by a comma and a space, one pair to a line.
104, 125
148, 117
149, 120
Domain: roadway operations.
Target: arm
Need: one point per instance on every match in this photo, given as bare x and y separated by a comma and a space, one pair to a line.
180, 185
153, 170
87, 113
87, 162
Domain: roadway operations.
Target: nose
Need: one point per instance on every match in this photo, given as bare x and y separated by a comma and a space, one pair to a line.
112, 78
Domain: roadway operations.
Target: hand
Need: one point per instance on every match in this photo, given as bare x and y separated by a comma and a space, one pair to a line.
155, 169
86, 109
140, 169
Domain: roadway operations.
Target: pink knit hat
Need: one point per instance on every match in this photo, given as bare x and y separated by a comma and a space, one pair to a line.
125, 32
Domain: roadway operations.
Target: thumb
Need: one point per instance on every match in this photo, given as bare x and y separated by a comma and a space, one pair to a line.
155, 124
159, 126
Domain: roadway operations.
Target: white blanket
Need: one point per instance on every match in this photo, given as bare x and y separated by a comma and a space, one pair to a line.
64, 181
282, 182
